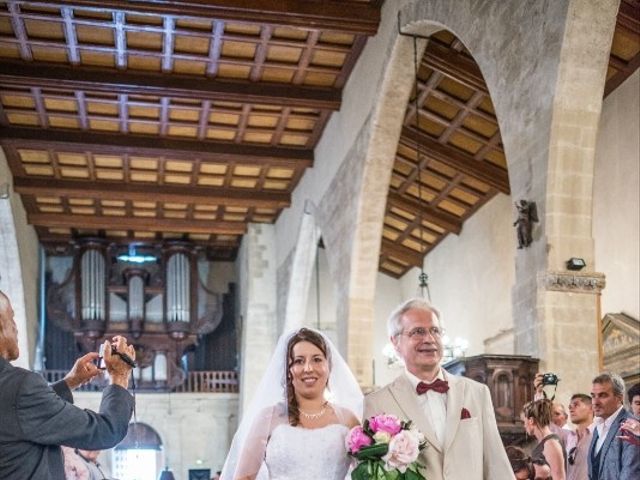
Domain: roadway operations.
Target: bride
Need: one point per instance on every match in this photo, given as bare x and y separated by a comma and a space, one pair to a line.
301, 412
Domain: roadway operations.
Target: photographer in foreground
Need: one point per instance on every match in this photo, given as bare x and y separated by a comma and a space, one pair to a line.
36, 419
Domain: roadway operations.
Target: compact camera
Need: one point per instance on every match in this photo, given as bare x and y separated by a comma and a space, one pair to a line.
550, 379
126, 358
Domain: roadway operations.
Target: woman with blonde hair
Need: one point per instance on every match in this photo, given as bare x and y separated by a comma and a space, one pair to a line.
537, 416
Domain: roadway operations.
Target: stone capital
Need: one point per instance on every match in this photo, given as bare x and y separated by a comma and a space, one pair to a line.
573, 282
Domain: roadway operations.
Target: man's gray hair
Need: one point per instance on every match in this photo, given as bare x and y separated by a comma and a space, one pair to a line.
394, 323
614, 379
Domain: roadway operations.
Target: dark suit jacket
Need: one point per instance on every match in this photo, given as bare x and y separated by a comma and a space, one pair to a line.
36, 419
619, 460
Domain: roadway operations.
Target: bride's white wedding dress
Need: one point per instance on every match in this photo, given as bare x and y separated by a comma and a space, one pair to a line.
294, 453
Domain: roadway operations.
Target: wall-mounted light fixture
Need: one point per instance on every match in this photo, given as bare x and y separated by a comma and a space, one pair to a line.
576, 264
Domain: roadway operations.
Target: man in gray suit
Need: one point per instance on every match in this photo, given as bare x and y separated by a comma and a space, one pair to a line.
609, 457
36, 419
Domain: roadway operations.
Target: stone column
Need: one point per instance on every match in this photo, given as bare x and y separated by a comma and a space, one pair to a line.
557, 315
258, 306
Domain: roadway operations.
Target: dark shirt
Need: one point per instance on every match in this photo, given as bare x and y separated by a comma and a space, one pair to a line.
35, 419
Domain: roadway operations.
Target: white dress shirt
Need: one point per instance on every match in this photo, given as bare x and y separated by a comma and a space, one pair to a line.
433, 404
603, 426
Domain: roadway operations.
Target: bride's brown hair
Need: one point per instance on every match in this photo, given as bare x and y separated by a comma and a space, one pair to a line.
302, 335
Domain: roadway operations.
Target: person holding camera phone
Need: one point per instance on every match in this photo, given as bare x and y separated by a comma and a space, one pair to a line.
37, 419
536, 416
576, 442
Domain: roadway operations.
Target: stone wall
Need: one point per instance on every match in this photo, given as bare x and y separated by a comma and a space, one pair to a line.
616, 214
195, 428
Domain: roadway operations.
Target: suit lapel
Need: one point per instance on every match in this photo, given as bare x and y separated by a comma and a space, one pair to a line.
613, 432
455, 402
407, 400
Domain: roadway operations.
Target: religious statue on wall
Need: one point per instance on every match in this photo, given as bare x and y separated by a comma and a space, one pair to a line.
527, 216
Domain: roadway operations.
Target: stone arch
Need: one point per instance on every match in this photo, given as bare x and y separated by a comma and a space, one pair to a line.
522, 54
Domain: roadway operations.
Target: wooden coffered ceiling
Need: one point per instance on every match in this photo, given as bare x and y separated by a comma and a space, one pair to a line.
186, 119
461, 163
146, 121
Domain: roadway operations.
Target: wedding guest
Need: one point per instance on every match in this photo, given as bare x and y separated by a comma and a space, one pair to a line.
36, 419
291, 429
610, 458
526, 468
82, 464
536, 416
578, 441
634, 400
455, 413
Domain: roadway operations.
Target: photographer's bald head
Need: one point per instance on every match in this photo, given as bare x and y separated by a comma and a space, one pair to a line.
8, 330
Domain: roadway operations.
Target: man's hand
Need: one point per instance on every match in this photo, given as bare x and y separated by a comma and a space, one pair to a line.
119, 371
630, 431
82, 371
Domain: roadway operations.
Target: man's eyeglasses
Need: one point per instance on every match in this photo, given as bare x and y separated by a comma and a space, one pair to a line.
420, 332
572, 456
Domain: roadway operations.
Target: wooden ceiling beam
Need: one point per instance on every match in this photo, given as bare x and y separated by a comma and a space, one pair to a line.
621, 75
629, 17
136, 224
431, 214
165, 193
484, 171
360, 18
110, 143
439, 56
57, 239
401, 252
21, 74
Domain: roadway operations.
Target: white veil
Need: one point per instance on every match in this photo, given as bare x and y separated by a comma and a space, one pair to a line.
269, 408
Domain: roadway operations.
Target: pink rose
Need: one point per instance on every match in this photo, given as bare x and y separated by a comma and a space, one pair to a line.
357, 439
385, 423
403, 450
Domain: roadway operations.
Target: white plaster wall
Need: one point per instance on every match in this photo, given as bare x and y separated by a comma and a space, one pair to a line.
616, 192
195, 428
388, 296
471, 275
24, 299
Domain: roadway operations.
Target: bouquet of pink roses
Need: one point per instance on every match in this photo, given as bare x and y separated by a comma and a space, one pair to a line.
386, 449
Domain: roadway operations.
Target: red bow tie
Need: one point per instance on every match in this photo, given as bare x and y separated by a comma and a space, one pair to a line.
440, 386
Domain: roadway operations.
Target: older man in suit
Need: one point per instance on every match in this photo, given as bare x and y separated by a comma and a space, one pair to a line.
610, 458
36, 419
455, 413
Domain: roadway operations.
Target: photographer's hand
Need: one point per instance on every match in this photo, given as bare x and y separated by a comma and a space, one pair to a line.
119, 371
82, 371
538, 386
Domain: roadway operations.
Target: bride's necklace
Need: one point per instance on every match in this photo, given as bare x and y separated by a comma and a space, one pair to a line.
316, 415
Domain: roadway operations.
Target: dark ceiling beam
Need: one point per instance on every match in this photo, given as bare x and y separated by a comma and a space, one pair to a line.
21, 74
56, 220
443, 219
401, 252
60, 240
165, 193
360, 18
622, 74
629, 17
486, 172
205, 151
461, 68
